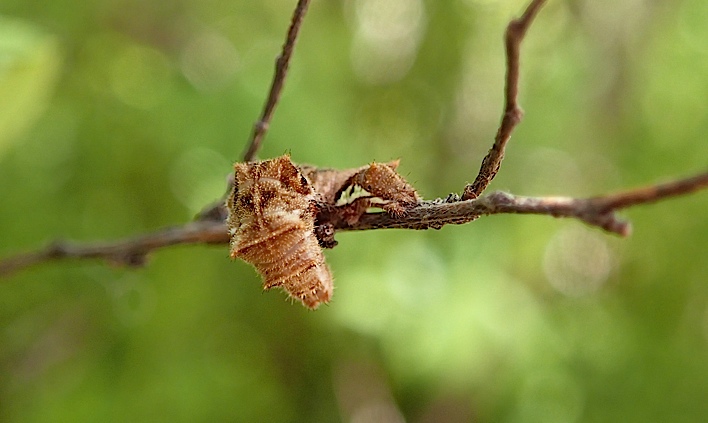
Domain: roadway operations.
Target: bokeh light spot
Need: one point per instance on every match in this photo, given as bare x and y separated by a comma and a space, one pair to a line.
139, 76
209, 61
577, 261
198, 177
386, 39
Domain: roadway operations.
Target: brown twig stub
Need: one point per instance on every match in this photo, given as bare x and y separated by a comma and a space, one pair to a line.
282, 63
515, 32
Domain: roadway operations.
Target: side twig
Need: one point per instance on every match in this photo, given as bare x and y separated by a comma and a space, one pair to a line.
281, 71
599, 211
515, 32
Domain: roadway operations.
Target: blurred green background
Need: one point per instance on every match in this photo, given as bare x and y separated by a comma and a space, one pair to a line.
118, 117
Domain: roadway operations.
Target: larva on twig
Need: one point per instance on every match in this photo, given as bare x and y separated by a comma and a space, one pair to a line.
272, 220
281, 215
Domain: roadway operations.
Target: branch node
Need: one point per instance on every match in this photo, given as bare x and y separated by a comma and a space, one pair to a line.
610, 222
261, 126
57, 249
135, 259
515, 115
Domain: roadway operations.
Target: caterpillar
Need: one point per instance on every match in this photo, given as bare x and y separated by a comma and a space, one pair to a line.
281, 215
271, 222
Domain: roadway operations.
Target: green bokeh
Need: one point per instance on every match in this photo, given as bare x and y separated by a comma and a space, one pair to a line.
120, 117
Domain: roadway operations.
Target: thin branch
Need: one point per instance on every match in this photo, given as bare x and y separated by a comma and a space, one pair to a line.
597, 211
129, 252
651, 194
281, 71
515, 32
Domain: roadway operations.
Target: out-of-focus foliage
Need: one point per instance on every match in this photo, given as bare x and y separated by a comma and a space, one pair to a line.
29, 64
121, 116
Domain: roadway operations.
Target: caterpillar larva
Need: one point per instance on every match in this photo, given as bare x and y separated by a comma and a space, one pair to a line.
274, 206
271, 221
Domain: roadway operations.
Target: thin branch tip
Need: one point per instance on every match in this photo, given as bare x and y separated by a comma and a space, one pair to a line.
282, 63
513, 113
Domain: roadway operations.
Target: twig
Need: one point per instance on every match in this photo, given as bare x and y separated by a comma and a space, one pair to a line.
131, 252
281, 71
515, 32
597, 211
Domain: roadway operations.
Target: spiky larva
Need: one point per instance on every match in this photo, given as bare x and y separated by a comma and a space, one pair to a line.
272, 219
273, 208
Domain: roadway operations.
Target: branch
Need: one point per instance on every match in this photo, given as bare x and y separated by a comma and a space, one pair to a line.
515, 32
281, 71
130, 252
597, 211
